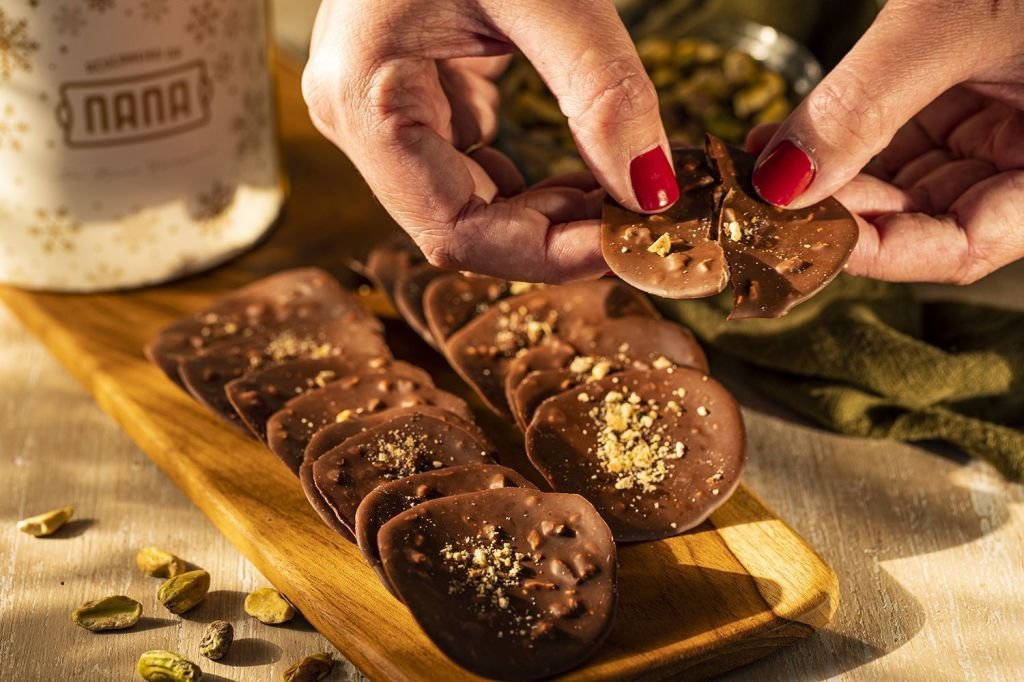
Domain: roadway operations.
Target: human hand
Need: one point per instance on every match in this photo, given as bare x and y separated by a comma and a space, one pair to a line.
404, 88
930, 106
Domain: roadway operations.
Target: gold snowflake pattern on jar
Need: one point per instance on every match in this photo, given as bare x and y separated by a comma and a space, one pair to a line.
137, 139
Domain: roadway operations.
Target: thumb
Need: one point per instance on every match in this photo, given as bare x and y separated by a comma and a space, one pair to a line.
907, 58
584, 54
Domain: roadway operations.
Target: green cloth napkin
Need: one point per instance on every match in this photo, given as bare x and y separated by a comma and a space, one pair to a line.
865, 358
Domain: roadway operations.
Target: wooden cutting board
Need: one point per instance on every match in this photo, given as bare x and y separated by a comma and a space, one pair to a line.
737, 588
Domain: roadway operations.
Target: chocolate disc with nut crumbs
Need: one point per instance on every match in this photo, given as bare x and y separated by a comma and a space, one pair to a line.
333, 435
290, 428
258, 395
656, 451
394, 497
481, 351
408, 299
777, 257
453, 299
511, 583
266, 305
672, 254
206, 374
400, 447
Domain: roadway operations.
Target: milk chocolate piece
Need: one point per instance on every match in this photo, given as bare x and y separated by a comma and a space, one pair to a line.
290, 429
656, 451
777, 257
268, 304
258, 395
390, 260
400, 447
394, 497
641, 342
452, 300
481, 351
510, 583
554, 354
721, 230
408, 299
671, 254
206, 374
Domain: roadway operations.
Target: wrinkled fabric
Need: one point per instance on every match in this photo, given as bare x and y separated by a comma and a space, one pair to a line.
865, 358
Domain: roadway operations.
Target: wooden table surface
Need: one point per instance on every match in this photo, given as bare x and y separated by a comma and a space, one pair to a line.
929, 548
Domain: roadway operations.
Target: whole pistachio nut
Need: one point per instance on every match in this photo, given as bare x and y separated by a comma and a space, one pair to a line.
46, 523
182, 592
158, 563
310, 669
166, 666
217, 639
110, 613
267, 605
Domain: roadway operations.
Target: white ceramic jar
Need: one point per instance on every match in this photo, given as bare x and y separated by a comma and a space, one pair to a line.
137, 139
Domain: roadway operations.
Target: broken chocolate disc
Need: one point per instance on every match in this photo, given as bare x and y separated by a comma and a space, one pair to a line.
511, 583
258, 395
671, 254
452, 300
481, 351
409, 290
290, 428
656, 451
394, 497
266, 305
400, 447
777, 257
205, 375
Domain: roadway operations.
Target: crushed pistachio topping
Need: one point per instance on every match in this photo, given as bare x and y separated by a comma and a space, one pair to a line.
287, 345
519, 328
323, 377
400, 454
590, 368
631, 445
343, 416
489, 569
661, 246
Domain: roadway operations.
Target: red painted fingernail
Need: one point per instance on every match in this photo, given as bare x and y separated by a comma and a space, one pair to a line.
784, 174
654, 183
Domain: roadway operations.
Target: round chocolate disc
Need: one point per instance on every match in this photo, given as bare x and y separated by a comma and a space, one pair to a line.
258, 395
481, 351
206, 374
400, 447
656, 451
290, 428
394, 497
511, 583
268, 304
671, 254
554, 354
388, 261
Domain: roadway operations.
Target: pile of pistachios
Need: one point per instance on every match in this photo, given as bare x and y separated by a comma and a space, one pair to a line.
183, 588
702, 87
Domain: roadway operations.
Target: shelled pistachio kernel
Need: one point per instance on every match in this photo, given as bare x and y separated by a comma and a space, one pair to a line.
47, 523
217, 639
166, 666
156, 562
310, 669
110, 613
267, 605
183, 592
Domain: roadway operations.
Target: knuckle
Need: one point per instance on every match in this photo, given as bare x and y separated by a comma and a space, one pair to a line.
618, 92
849, 103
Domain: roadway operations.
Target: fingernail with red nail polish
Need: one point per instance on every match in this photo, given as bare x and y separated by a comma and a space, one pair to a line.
784, 174
654, 183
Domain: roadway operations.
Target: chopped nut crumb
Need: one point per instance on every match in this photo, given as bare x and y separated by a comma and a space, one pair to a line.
661, 246
661, 362
702, 411
489, 569
343, 416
